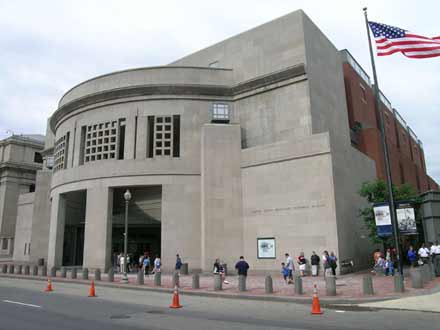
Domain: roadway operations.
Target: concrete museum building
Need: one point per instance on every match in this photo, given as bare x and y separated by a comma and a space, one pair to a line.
244, 142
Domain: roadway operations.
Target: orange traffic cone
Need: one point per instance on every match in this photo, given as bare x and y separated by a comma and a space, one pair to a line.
49, 286
316, 308
92, 290
176, 303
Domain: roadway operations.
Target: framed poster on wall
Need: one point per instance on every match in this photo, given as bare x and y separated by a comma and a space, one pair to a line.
266, 248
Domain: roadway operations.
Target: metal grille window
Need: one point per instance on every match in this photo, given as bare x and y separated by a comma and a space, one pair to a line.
220, 112
101, 141
60, 153
163, 139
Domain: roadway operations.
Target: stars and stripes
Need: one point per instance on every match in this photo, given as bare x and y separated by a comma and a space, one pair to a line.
391, 39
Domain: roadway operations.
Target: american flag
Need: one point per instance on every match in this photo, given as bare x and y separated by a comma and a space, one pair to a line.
391, 39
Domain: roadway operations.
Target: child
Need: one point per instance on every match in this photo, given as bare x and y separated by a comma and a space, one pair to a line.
285, 272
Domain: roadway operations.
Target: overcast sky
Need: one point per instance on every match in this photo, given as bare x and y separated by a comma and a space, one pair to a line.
49, 46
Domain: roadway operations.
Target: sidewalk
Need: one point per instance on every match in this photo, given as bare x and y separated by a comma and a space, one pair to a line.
423, 303
349, 287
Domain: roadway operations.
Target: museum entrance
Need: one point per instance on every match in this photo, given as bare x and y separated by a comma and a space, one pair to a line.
144, 223
73, 246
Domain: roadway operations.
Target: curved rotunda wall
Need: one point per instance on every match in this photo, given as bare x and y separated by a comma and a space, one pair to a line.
163, 75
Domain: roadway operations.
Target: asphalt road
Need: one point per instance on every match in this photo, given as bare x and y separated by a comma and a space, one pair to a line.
24, 305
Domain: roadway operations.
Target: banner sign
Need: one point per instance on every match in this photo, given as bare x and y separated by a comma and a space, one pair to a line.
406, 218
382, 216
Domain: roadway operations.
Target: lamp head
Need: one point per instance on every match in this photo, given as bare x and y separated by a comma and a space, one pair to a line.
127, 195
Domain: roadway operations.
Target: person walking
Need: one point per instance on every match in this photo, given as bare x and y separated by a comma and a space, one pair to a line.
389, 264
285, 272
436, 257
314, 260
146, 265
333, 263
326, 263
423, 253
290, 267
412, 256
178, 263
157, 264
242, 266
302, 262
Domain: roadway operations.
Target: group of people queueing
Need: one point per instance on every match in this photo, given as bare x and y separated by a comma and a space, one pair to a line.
329, 262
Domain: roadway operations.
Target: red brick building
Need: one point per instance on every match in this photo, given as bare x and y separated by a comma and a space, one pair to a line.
405, 149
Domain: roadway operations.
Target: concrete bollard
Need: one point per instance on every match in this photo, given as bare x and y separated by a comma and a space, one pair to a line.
35, 270
218, 284
268, 284
63, 272
399, 286
11, 269
85, 274
298, 286
140, 277
4, 268
73, 273
110, 275
27, 270
44, 271
367, 285
241, 283
53, 272
157, 279
175, 279
19, 269
97, 274
426, 277
330, 285
416, 278
196, 281
432, 268
184, 269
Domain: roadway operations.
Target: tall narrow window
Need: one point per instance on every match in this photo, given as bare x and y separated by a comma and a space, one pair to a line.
82, 145
176, 136
121, 144
220, 113
150, 137
38, 158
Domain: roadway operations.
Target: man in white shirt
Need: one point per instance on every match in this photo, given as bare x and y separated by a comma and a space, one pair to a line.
424, 253
290, 267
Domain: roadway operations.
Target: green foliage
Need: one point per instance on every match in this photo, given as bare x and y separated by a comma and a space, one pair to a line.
377, 192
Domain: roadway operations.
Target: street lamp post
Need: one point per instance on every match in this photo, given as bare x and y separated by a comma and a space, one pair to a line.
127, 197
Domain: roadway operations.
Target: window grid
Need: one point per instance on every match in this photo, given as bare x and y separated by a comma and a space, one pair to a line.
59, 154
101, 141
220, 111
163, 137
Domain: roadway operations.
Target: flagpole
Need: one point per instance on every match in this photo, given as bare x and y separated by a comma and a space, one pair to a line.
385, 149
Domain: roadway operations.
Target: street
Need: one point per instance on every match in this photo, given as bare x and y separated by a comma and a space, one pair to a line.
24, 305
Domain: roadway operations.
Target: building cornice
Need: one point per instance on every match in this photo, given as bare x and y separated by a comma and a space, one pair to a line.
176, 89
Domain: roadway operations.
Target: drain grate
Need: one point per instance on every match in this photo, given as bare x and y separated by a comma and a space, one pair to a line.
119, 317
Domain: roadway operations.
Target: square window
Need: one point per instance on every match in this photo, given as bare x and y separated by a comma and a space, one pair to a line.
112, 147
92, 158
95, 127
99, 149
159, 136
113, 131
98, 157
87, 158
167, 135
100, 133
99, 141
105, 140
159, 144
93, 142
167, 127
158, 152
107, 132
159, 119
168, 119
89, 128
167, 143
105, 148
113, 139
159, 127
94, 134
167, 152
107, 125
105, 156
93, 150
112, 155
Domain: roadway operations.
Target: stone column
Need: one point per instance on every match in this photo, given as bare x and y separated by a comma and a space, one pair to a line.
218, 282
298, 285
56, 231
140, 277
268, 284
196, 281
157, 279
367, 285
98, 229
242, 282
330, 285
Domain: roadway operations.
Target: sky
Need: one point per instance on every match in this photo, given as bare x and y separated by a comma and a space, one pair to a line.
47, 47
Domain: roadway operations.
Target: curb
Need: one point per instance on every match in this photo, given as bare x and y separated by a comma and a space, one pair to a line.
325, 301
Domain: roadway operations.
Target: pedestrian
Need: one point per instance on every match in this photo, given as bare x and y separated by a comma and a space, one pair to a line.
146, 265
157, 264
220, 270
285, 272
302, 262
423, 253
314, 260
389, 263
178, 263
290, 266
376, 255
436, 255
326, 263
242, 266
333, 263
412, 256
379, 266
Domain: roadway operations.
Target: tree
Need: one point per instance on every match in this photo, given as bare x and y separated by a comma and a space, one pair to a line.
377, 192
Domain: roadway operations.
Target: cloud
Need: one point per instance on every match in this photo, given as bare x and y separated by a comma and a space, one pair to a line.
50, 46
